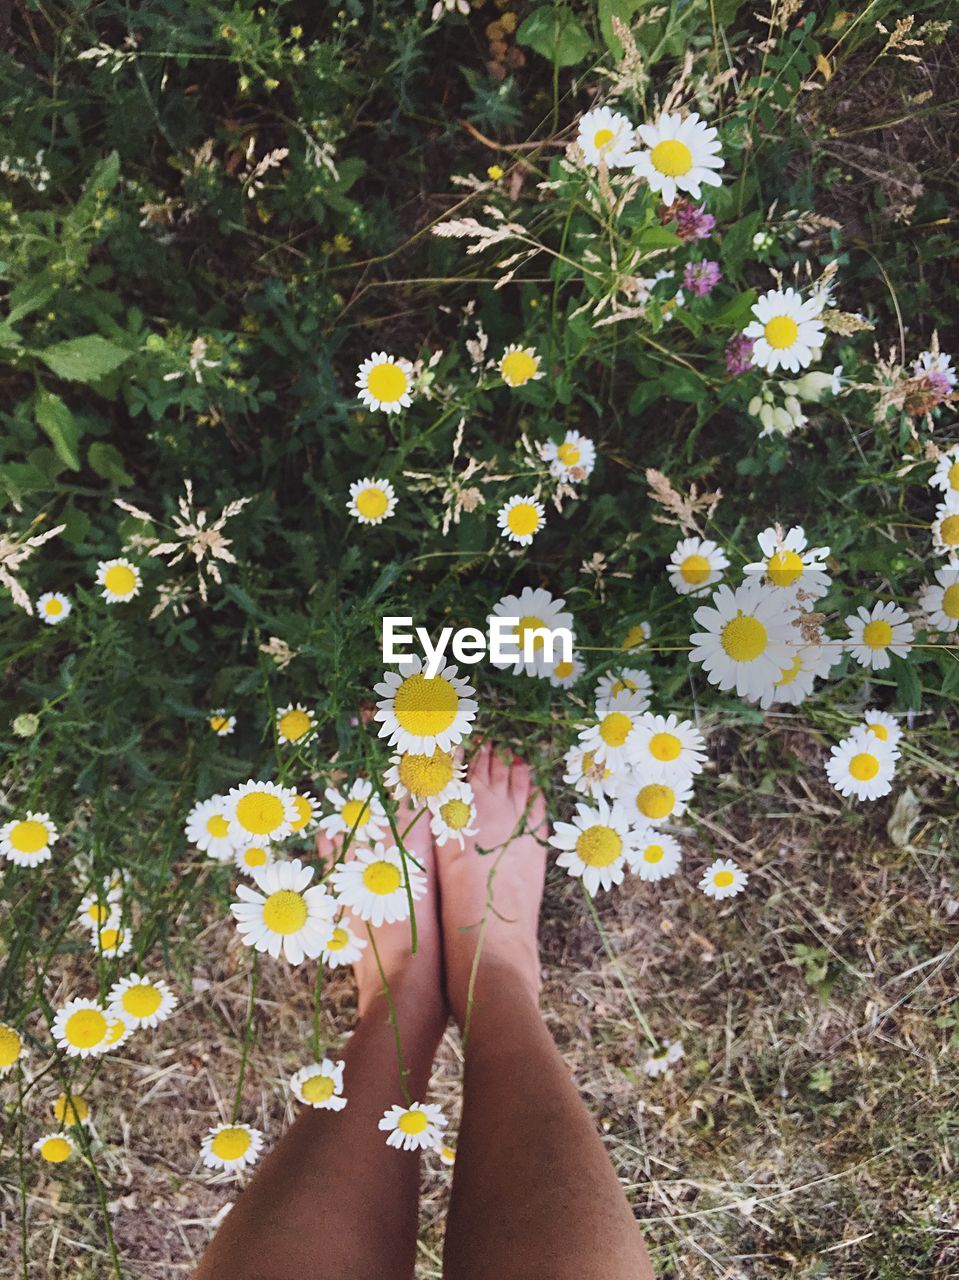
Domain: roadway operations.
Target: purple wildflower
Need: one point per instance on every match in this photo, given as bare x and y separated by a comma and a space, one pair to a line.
692, 223
739, 355
701, 278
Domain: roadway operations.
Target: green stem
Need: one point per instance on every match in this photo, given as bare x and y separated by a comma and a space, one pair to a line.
247, 1038
637, 1012
394, 1022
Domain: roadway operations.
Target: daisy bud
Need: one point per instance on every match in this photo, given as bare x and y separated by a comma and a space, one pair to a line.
813, 386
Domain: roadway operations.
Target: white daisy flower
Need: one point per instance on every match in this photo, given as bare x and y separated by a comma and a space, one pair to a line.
11, 1047
596, 845
786, 330
307, 812
520, 519
667, 748
82, 1028
295, 723
654, 802
420, 714
320, 1085
261, 809
146, 1002
282, 915
809, 664
637, 636
655, 855
723, 879
563, 674
745, 644
586, 776
790, 565
572, 460
55, 1148
28, 841
659, 1060
231, 1146
121, 1029
862, 765
446, 1154
536, 610
371, 501
344, 947
614, 738
413, 1128
373, 884
252, 855
422, 776
53, 607
605, 135
682, 155
111, 940
874, 633
939, 601
358, 813
945, 527
221, 722
628, 680
453, 814
882, 726
946, 474
519, 365
120, 580
695, 565
208, 826
935, 362
385, 382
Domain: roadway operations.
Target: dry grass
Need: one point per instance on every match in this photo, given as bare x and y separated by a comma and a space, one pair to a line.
810, 1130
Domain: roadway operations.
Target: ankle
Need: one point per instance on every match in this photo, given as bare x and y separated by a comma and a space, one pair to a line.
503, 976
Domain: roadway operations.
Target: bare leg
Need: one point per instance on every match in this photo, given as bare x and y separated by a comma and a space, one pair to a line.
535, 1196
332, 1200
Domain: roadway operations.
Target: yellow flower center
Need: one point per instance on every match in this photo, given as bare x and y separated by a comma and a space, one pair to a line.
339, 940
622, 685
10, 1044
672, 158
533, 628
119, 580
53, 608
614, 728
97, 912
877, 634
653, 853
781, 332
85, 1028
743, 638
789, 674
518, 367
217, 825
694, 570
382, 878
219, 723
304, 812
255, 856
599, 846
117, 1031
141, 1001
723, 879
950, 601
426, 775
665, 746
949, 531
784, 568
355, 813
523, 519
635, 637
563, 670
260, 812
952, 475
231, 1143
568, 454
294, 725
880, 730
603, 139
387, 382
72, 1110
110, 939
56, 1150
412, 1122
425, 707
456, 814
863, 766
317, 1088
29, 836
371, 503
285, 911
656, 800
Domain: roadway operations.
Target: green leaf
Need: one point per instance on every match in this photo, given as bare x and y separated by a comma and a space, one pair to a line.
58, 422
736, 313
657, 238
99, 185
28, 297
557, 34
609, 9
907, 684
84, 359
738, 240
683, 384
107, 461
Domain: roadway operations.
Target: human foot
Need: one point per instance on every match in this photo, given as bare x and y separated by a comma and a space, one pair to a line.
423, 971
490, 900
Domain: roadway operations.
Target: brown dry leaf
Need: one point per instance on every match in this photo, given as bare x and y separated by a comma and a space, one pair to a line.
683, 508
